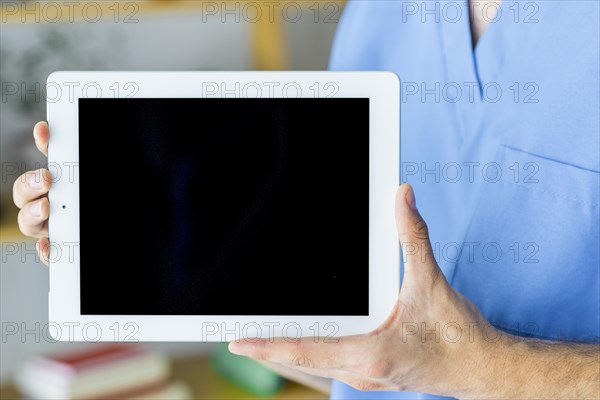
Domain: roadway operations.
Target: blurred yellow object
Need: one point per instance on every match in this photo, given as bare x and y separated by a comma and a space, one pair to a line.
268, 42
9, 232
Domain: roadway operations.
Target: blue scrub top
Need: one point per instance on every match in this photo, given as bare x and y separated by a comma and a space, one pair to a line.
502, 147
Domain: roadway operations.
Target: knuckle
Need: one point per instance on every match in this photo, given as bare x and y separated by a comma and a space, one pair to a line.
25, 228
46, 174
264, 353
420, 230
300, 357
379, 369
17, 190
46, 178
377, 365
364, 386
301, 360
45, 207
400, 385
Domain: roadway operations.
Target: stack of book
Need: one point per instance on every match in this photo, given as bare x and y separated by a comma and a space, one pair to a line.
116, 371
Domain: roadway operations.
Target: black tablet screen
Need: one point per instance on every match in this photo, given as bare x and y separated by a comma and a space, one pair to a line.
224, 206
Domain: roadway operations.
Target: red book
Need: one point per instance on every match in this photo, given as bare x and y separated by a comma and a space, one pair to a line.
102, 372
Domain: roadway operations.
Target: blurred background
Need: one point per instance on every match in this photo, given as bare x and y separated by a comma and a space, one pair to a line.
37, 38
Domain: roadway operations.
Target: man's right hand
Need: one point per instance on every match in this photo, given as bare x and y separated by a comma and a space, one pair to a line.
30, 194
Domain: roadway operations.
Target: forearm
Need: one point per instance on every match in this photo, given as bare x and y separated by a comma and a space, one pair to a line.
519, 368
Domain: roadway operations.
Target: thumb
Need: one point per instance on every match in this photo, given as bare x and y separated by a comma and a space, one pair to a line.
417, 253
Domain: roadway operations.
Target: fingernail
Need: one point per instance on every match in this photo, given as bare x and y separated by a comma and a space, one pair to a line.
240, 348
36, 181
35, 208
410, 199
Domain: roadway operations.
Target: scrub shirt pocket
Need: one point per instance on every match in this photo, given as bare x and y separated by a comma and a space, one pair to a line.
530, 257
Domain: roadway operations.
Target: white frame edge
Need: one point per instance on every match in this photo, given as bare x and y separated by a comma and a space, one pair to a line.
63, 91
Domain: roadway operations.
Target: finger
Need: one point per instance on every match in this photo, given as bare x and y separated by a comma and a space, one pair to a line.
366, 385
418, 257
300, 376
336, 374
30, 186
313, 353
291, 373
33, 218
43, 248
41, 134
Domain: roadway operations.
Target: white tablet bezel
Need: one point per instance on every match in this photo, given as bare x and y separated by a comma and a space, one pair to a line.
63, 91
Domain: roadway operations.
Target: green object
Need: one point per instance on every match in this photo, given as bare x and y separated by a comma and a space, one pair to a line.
245, 372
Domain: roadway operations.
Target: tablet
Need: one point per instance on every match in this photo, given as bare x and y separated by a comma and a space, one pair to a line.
214, 206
